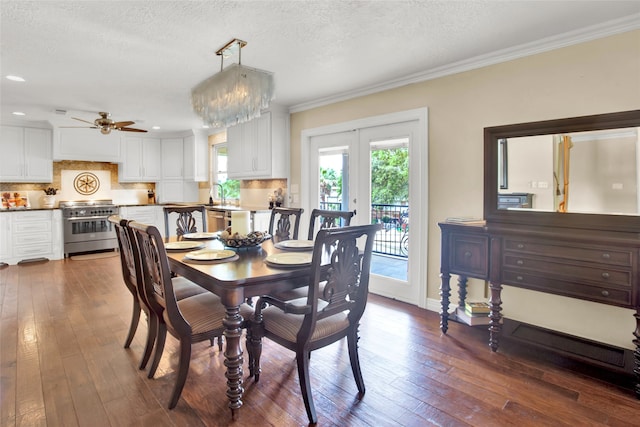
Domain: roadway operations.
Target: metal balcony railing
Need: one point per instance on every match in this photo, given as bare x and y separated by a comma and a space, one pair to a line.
394, 238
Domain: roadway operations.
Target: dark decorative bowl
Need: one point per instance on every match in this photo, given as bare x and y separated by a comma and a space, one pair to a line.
250, 240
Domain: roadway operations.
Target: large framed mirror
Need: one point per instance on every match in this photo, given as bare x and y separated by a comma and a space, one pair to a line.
580, 172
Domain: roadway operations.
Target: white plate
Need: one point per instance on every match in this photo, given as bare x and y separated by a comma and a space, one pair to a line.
210, 254
289, 259
183, 245
201, 236
295, 245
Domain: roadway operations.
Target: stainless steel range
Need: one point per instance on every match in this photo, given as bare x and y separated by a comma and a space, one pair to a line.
86, 227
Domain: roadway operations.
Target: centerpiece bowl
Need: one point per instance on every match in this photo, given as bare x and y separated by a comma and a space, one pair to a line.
239, 241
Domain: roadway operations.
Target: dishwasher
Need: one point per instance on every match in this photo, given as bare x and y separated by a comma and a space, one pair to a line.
218, 220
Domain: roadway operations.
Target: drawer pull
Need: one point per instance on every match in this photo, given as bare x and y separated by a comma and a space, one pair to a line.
467, 254
519, 278
520, 245
606, 256
520, 262
605, 293
605, 275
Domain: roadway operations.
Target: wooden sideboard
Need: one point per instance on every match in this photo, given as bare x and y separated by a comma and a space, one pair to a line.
594, 265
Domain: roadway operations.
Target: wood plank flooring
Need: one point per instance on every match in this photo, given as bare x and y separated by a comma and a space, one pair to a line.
62, 363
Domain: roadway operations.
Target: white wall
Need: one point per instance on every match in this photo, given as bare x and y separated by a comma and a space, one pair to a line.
596, 77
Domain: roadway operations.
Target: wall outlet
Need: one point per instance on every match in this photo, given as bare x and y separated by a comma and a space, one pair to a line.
543, 184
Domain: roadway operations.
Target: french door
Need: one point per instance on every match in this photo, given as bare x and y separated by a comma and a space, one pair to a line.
339, 176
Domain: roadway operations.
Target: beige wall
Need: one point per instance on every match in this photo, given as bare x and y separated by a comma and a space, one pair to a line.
596, 77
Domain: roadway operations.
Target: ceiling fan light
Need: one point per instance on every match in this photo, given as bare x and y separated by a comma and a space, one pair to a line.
105, 130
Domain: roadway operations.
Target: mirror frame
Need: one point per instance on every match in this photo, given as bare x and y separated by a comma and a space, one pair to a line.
553, 219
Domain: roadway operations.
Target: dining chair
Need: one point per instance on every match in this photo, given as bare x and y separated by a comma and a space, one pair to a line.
132, 274
322, 317
128, 274
280, 223
190, 320
185, 222
328, 219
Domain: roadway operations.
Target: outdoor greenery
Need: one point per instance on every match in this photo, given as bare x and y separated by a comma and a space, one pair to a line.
389, 178
231, 189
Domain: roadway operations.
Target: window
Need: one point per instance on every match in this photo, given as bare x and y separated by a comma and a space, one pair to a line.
219, 174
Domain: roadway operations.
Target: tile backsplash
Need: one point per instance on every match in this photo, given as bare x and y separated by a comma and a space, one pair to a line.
64, 173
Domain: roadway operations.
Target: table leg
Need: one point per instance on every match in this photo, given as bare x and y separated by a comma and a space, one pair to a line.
233, 357
496, 307
445, 294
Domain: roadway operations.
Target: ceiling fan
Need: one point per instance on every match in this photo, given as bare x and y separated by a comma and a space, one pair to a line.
106, 125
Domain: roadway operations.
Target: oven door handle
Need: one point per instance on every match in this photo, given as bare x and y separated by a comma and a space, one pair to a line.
85, 218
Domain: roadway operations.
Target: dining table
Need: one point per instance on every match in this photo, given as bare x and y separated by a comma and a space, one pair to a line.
235, 279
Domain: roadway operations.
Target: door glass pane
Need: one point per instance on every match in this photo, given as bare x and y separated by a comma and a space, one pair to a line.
390, 205
333, 179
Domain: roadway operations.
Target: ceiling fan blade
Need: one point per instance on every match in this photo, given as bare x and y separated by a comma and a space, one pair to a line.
82, 120
131, 130
118, 125
80, 127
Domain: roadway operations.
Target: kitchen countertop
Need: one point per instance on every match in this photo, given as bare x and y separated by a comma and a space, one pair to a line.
28, 209
224, 208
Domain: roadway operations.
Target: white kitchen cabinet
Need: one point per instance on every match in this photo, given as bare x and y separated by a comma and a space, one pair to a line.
30, 235
151, 215
185, 157
171, 191
86, 144
5, 236
141, 160
259, 148
173, 158
26, 154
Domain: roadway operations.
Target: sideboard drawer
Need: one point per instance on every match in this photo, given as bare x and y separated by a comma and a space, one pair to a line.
469, 254
604, 294
597, 274
605, 255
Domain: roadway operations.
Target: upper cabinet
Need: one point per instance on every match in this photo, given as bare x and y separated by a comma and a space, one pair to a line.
141, 160
26, 154
260, 148
185, 157
86, 144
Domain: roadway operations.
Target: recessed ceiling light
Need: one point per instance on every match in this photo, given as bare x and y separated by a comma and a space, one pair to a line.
205, 127
15, 78
18, 113
155, 127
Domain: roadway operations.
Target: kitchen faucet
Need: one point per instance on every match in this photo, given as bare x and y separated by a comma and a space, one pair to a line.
220, 193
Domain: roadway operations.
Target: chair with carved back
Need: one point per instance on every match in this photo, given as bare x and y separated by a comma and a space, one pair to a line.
328, 313
132, 274
129, 275
185, 221
284, 223
328, 219
190, 320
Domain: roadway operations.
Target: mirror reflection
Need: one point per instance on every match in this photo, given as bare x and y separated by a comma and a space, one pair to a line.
581, 172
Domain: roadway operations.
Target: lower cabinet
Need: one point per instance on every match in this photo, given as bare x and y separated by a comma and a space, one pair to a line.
173, 191
31, 235
151, 215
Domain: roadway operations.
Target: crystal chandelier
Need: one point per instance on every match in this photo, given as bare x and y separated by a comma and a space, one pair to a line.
235, 94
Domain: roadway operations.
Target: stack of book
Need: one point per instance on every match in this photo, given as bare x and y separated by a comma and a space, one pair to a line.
474, 313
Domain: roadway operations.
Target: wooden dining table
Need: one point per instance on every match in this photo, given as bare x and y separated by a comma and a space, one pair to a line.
234, 280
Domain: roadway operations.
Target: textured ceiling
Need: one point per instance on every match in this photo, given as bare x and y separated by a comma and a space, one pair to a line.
139, 59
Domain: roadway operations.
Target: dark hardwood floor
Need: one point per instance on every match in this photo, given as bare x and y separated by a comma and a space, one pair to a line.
62, 361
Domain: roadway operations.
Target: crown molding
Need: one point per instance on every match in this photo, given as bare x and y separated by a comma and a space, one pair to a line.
546, 44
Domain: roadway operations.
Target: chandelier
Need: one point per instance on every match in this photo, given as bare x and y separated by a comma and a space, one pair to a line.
235, 94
